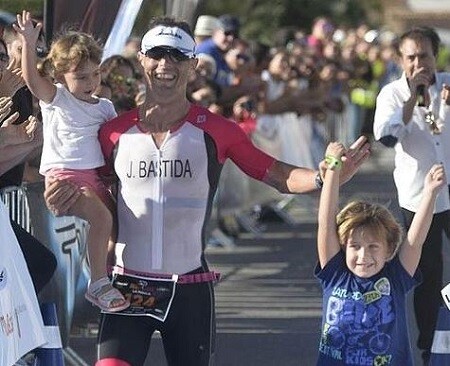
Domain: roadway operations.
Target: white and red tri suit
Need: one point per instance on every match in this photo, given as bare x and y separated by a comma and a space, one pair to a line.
165, 194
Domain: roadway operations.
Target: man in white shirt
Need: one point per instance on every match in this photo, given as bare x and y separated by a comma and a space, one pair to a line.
412, 115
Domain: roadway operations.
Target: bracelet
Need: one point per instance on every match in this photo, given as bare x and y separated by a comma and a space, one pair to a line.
333, 163
318, 181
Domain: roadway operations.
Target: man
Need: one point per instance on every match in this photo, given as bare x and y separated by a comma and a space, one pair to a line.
410, 116
205, 27
223, 38
167, 155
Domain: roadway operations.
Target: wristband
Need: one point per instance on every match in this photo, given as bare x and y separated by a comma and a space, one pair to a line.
318, 181
333, 163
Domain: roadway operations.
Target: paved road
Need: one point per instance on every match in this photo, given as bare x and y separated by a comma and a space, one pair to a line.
268, 302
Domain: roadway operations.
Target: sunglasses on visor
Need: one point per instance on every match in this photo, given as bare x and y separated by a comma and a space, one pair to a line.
157, 53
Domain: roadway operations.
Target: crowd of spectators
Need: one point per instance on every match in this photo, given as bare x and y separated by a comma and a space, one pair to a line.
294, 97
307, 76
291, 98
290, 92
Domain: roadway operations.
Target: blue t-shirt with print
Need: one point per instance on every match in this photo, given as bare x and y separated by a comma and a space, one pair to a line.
364, 319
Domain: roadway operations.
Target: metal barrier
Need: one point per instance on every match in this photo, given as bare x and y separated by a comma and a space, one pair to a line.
66, 238
16, 201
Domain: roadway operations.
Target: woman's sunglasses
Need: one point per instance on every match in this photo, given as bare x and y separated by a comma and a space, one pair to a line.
157, 53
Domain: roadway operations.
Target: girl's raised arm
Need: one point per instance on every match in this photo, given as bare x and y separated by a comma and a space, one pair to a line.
41, 87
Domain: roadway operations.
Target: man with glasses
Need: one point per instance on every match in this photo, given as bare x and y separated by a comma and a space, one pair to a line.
221, 41
215, 48
167, 155
412, 115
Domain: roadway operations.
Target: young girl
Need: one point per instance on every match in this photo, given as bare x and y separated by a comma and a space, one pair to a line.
71, 117
365, 272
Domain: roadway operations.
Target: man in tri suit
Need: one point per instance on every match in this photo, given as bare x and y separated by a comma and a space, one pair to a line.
167, 155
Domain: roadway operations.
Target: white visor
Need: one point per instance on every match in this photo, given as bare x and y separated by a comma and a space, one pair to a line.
162, 36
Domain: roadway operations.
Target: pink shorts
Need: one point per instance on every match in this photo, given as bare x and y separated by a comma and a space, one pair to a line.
83, 178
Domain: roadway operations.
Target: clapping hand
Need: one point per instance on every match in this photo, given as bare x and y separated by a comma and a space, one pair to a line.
15, 134
11, 81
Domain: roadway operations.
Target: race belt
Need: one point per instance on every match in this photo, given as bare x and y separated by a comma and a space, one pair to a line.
151, 294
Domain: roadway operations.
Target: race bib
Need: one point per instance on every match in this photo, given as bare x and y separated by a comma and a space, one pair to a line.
148, 296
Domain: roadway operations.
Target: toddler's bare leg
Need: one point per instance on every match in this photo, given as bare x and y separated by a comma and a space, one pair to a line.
91, 208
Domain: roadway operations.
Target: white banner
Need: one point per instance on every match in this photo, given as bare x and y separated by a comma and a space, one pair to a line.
21, 325
121, 30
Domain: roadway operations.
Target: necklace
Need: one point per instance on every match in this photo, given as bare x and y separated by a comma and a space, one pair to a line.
432, 122
432, 113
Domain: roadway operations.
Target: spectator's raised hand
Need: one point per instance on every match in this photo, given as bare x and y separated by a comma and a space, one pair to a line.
11, 81
5, 107
19, 134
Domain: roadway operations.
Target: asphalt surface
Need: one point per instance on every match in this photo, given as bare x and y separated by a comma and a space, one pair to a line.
268, 302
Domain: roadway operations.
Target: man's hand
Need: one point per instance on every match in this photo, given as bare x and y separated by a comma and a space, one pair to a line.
60, 196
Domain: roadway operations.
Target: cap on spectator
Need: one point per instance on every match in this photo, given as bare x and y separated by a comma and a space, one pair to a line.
205, 25
230, 23
173, 37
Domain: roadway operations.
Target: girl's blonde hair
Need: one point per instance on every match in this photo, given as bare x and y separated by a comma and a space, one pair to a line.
375, 218
68, 51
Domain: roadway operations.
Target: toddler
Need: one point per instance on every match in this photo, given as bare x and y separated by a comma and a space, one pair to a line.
71, 117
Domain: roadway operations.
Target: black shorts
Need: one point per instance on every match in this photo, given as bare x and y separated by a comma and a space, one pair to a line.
188, 333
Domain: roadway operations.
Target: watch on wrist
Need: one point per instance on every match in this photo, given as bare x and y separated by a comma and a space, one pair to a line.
318, 181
